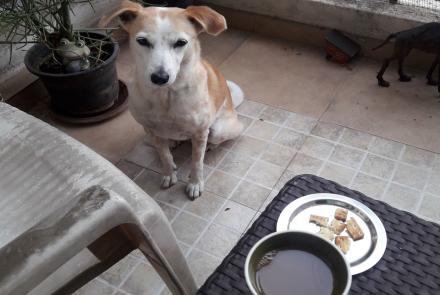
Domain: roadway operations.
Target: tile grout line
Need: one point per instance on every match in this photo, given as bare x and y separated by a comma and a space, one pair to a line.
358, 170
125, 279
425, 188
114, 288
393, 173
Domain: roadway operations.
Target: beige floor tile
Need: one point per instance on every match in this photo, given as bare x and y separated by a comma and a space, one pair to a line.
257, 64
301, 123
188, 227
236, 164
221, 184
143, 280
433, 186
142, 155
317, 147
249, 146
149, 181
263, 130
385, 147
206, 206
278, 154
265, 173
250, 195
405, 112
129, 169
347, 156
251, 108
355, 138
202, 265
304, 164
235, 216
218, 240
430, 207
436, 164
285, 177
418, 157
169, 211
246, 121
156, 164
402, 197
216, 49
411, 176
290, 138
339, 174
378, 166
213, 157
117, 273
95, 287
369, 185
274, 115
328, 130
174, 195
184, 171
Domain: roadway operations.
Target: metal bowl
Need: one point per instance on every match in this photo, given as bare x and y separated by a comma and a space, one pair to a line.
305, 241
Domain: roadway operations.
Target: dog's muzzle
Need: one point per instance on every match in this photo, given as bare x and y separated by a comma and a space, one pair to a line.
160, 78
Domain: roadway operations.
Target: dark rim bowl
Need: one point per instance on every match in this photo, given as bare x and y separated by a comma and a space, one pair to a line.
305, 241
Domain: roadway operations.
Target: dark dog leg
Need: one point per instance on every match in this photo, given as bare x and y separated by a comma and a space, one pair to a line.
438, 84
386, 63
402, 76
431, 81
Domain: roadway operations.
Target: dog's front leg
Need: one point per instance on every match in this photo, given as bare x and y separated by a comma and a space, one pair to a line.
163, 149
194, 188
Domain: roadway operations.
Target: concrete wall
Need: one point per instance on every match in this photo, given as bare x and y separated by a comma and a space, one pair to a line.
14, 76
372, 18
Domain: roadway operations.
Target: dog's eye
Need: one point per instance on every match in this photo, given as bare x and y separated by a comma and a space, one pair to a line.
180, 43
144, 42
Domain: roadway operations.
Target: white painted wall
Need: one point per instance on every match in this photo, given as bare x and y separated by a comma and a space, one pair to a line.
14, 76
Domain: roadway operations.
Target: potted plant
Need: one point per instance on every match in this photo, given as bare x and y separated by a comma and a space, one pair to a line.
77, 67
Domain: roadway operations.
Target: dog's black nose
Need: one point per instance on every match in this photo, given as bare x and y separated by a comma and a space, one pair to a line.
160, 78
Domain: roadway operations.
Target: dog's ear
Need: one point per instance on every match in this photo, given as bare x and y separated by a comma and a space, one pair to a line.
127, 12
206, 20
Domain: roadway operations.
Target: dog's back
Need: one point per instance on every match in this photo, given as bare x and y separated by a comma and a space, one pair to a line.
425, 37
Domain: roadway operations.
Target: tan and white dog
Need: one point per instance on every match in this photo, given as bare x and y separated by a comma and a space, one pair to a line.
175, 94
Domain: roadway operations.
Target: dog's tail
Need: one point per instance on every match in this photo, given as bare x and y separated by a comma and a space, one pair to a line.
391, 36
236, 93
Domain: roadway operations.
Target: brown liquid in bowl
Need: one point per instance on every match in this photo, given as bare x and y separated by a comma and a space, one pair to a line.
293, 272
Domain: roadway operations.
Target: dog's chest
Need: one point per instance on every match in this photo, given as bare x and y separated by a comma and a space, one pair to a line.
168, 115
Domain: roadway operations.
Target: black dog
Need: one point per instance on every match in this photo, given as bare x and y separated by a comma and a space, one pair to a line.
425, 37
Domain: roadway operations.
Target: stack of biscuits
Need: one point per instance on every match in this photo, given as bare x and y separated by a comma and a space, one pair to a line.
333, 230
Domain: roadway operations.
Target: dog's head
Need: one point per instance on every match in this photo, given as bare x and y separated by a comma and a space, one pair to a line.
162, 39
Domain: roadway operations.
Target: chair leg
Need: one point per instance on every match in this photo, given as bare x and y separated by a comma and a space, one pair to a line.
163, 252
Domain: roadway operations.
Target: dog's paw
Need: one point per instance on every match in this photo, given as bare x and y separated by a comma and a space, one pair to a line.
169, 180
404, 78
383, 83
194, 190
